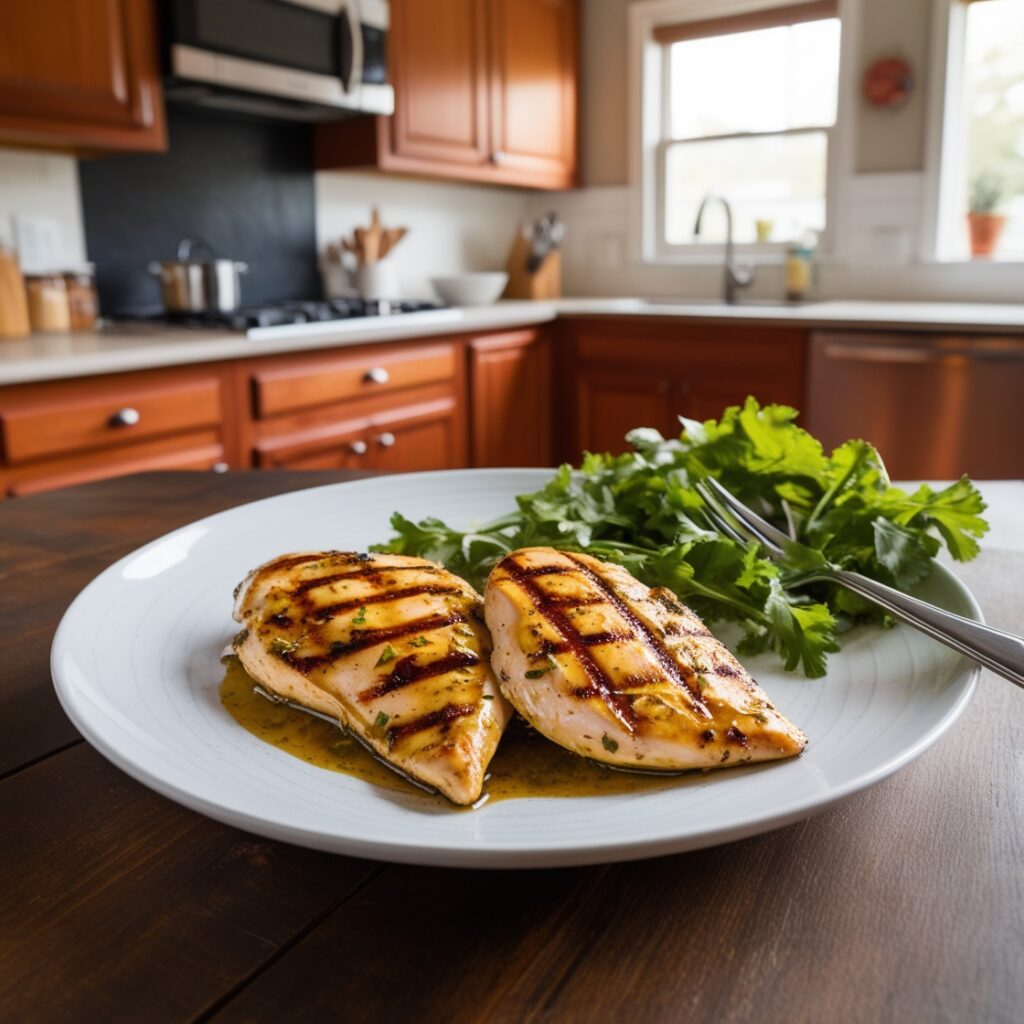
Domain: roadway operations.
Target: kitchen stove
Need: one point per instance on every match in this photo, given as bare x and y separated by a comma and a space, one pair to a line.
293, 314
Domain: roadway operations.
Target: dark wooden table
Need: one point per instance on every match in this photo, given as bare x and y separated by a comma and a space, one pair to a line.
903, 904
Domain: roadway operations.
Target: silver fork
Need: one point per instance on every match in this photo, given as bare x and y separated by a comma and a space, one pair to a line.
999, 651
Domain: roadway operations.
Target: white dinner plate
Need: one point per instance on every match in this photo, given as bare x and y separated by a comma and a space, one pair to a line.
136, 666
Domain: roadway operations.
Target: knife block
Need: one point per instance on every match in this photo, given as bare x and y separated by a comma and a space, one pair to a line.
546, 283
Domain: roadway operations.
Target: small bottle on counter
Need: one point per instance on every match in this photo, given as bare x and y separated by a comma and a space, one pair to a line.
83, 304
799, 259
48, 308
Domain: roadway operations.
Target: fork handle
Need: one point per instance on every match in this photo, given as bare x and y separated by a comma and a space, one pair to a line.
999, 651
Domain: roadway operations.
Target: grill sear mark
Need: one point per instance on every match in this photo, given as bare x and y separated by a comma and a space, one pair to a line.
599, 639
441, 718
682, 677
619, 705
370, 570
329, 611
360, 639
408, 671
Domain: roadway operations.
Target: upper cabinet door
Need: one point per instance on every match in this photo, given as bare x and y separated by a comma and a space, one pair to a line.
533, 89
439, 69
82, 74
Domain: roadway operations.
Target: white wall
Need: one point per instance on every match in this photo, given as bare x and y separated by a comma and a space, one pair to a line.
43, 184
452, 227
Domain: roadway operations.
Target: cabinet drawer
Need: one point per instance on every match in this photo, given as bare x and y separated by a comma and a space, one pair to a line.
196, 452
113, 418
294, 387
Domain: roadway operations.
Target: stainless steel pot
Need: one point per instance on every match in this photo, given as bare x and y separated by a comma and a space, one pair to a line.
193, 285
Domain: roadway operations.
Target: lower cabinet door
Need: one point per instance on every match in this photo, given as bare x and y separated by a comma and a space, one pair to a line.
419, 437
510, 385
342, 447
609, 404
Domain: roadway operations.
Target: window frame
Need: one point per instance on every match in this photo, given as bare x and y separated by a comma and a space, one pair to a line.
650, 138
945, 173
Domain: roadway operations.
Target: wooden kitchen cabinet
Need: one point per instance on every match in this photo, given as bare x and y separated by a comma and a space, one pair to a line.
427, 433
392, 407
438, 63
82, 75
533, 89
485, 90
510, 399
625, 373
65, 432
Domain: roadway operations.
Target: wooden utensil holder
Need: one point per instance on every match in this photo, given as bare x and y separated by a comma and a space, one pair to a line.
545, 283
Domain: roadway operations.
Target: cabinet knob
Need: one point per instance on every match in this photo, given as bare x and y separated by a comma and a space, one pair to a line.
220, 467
386, 440
377, 375
358, 447
497, 157
126, 417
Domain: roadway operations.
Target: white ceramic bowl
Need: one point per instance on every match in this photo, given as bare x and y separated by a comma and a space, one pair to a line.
470, 289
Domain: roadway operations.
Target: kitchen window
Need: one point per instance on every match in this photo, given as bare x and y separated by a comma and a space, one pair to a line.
981, 176
744, 106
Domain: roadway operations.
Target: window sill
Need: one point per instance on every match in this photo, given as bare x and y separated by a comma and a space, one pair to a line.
713, 259
1013, 261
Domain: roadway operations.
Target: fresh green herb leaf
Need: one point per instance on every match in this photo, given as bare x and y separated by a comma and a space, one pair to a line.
281, 647
419, 641
609, 744
360, 619
536, 673
388, 654
381, 720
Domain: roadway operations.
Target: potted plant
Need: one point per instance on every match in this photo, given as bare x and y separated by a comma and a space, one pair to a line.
984, 224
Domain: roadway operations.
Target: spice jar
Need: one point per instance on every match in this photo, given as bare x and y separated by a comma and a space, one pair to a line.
82, 302
48, 308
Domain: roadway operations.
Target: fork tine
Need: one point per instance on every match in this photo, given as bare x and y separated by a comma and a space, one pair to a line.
763, 531
719, 517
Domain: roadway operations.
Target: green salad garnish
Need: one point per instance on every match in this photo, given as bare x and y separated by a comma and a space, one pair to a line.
641, 510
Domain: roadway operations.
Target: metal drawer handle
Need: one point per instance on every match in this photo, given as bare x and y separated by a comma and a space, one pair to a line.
358, 447
386, 440
220, 467
378, 375
126, 417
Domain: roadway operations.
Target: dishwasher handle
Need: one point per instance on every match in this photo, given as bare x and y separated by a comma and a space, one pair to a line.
924, 353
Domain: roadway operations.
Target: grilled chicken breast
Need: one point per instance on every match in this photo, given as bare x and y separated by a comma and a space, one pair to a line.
392, 647
617, 672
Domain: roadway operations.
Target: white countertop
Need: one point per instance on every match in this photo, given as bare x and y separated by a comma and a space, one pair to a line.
137, 346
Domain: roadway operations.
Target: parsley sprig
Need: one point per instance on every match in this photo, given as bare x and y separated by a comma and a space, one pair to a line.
642, 511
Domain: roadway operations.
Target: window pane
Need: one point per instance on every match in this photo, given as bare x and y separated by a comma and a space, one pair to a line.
763, 81
786, 188
994, 107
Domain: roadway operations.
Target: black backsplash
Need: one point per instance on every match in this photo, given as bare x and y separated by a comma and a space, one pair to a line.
245, 186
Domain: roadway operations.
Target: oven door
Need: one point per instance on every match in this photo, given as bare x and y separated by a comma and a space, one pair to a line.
304, 50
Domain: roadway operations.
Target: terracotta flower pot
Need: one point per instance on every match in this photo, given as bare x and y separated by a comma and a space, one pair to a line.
985, 229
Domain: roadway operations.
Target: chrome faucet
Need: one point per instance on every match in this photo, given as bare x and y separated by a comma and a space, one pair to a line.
735, 277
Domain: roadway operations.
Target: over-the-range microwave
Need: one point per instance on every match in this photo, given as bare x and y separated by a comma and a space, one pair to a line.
306, 60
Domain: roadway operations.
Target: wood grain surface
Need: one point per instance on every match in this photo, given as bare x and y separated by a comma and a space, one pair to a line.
905, 903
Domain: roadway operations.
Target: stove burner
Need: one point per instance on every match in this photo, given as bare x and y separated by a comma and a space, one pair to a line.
287, 313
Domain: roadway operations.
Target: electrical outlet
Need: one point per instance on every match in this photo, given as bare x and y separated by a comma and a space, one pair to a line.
37, 240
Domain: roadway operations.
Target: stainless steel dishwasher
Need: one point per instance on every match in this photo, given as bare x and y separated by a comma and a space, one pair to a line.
935, 405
